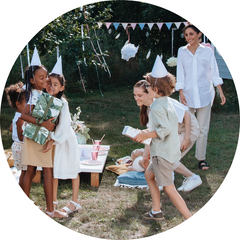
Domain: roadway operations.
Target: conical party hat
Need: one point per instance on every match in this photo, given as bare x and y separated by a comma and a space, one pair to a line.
159, 69
57, 69
35, 58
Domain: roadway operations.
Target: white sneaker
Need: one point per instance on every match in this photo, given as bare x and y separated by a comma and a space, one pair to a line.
189, 184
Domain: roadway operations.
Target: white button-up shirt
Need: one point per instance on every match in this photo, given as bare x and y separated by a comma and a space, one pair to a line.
196, 75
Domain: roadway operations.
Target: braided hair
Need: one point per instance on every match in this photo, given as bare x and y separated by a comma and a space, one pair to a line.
29, 73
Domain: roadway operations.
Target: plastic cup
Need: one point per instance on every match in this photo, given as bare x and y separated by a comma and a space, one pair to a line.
94, 155
96, 147
97, 142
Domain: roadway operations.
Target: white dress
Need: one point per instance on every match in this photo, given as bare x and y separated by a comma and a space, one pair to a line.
66, 163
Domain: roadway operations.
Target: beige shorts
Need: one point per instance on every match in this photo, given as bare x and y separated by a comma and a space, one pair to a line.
163, 171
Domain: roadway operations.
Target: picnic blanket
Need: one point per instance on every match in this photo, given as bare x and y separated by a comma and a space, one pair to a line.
130, 179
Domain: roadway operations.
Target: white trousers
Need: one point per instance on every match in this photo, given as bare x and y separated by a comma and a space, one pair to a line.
203, 116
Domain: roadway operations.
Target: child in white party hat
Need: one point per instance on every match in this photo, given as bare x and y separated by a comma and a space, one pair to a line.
165, 145
34, 154
66, 153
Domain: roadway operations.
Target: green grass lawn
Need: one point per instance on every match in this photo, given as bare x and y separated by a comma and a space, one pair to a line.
114, 212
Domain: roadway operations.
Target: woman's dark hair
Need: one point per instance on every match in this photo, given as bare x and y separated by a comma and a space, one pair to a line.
143, 109
189, 25
29, 73
15, 93
62, 81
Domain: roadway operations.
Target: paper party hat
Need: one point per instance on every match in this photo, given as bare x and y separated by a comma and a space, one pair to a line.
159, 69
35, 58
57, 69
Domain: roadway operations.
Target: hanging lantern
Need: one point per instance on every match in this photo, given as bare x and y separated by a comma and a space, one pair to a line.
129, 51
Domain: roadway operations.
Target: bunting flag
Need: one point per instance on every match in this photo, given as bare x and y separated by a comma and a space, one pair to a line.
150, 25
159, 25
116, 25
108, 24
100, 24
168, 25
133, 25
141, 25
124, 25
177, 24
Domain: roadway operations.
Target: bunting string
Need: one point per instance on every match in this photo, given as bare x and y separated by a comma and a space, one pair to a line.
141, 25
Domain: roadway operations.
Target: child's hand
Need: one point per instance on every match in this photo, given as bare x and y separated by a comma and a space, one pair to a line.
49, 146
184, 145
145, 162
48, 124
140, 137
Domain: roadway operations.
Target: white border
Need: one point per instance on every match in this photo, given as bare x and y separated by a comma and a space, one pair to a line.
21, 20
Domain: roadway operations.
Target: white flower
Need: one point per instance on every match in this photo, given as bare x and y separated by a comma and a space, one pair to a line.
172, 62
128, 51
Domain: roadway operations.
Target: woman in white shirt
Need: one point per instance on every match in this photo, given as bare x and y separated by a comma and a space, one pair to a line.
197, 72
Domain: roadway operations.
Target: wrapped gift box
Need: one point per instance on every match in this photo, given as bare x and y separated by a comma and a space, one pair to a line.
46, 107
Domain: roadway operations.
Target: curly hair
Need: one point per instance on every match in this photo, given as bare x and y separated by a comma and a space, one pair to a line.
165, 85
15, 93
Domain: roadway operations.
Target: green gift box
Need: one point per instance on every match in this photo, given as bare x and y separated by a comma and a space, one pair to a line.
46, 107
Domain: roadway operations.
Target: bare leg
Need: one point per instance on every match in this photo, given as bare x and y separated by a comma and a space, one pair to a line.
177, 200
21, 178
48, 188
27, 180
55, 189
154, 190
183, 171
75, 190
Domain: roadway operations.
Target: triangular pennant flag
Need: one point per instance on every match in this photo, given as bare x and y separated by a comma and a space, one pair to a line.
141, 25
133, 25
108, 24
99, 24
168, 25
57, 69
185, 23
116, 25
124, 25
159, 69
159, 25
150, 25
35, 58
177, 24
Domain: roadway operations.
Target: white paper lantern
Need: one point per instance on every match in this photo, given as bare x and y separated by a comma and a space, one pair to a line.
128, 51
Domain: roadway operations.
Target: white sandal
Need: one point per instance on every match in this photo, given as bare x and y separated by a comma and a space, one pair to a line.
56, 203
76, 205
51, 214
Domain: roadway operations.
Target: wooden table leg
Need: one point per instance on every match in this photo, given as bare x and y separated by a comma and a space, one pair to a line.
95, 179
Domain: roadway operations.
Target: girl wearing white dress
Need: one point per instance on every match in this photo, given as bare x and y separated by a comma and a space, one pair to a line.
16, 99
197, 72
66, 163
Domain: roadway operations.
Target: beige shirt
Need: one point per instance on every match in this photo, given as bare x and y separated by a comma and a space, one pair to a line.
164, 120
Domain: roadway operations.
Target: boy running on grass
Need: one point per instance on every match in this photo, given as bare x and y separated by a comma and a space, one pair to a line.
165, 145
